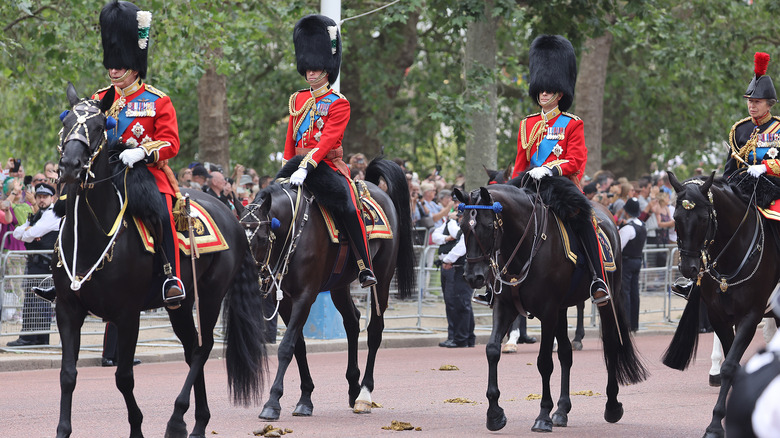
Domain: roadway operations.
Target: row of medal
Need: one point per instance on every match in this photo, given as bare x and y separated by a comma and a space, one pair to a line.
768, 140
555, 133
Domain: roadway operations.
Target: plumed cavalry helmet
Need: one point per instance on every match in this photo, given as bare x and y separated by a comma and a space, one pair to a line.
553, 68
317, 45
761, 87
124, 32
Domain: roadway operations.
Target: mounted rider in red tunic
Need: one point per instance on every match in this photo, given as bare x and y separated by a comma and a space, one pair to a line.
146, 119
552, 142
318, 118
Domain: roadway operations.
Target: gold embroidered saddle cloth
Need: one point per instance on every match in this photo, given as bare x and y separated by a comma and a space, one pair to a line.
374, 218
606, 248
208, 238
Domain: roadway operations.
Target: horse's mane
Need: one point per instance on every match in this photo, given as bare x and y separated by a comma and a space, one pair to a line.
143, 196
326, 186
561, 195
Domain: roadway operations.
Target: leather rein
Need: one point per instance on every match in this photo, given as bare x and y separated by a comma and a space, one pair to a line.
710, 264
492, 255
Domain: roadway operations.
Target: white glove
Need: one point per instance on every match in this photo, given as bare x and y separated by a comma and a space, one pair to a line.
298, 176
756, 170
539, 172
132, 156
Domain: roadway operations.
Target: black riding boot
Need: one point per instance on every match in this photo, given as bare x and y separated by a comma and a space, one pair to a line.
599, 292
682, 287
485, 299
351, 224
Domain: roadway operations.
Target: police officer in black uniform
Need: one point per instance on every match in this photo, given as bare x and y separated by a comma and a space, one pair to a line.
38, 233
633, 236
457, 292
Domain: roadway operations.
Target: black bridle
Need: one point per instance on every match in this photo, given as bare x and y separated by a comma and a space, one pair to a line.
709, 264
491, 255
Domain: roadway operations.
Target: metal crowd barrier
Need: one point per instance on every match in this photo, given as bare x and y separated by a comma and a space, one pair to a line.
39, 318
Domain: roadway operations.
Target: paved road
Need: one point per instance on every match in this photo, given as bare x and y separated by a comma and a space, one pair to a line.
409, 386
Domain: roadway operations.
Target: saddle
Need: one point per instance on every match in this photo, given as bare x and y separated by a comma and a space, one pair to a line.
208, 237
573, 251
374, 217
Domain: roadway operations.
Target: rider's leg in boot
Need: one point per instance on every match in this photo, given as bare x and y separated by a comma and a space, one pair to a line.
682, 287
486, 299
173, 290
599, 292
356, 231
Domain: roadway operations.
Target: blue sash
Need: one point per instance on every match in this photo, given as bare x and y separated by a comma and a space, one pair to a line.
321, 110
547, 145
123, 121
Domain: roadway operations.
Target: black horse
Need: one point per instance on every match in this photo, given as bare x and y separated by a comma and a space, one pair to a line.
297, 257
107, 272
512, 235
714, 223
501, 177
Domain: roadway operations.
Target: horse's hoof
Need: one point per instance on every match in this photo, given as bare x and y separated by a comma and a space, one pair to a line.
714, 434
269, 414
509, 348
613, 415
302, 410
362, 407
542, 426
560, 419
715, 380
197, 436
497, 421
576, 345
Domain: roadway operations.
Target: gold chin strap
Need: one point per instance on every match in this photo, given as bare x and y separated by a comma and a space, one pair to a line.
319, 78
128, 72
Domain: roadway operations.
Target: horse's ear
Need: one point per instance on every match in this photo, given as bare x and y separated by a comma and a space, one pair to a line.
107, 100
484, 194
459, 195
707, 184
674, 182
73, 96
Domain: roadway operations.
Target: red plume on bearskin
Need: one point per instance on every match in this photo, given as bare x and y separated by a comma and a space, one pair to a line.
761, 61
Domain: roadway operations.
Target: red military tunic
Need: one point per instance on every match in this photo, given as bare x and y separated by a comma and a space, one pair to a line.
567, 158
316, 128
146, 118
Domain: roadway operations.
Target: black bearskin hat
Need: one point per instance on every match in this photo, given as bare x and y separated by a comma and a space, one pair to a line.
553, 68
124, 31
317, 45
761, 87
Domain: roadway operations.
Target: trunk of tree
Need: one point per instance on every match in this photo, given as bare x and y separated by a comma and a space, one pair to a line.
480, 55
398, 45
589, 98
213, 120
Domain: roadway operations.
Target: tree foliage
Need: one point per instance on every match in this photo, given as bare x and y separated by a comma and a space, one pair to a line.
674, 85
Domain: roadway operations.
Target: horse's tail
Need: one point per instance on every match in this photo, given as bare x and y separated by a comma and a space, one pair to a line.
682, 349
398, 190
620, 357
245, 352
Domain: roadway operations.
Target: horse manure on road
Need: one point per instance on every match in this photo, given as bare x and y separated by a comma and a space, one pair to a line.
270, 431
400, 426
460, 400
448, 368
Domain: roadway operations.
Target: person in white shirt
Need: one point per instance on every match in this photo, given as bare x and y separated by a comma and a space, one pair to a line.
457, 292
633, 236
38, 233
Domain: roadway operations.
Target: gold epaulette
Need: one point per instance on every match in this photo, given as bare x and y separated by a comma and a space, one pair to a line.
339, 94
155, 91
96, 94
573, 116
531, 115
